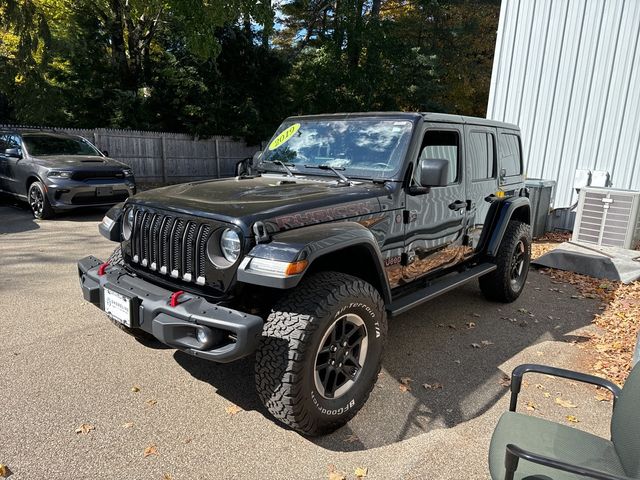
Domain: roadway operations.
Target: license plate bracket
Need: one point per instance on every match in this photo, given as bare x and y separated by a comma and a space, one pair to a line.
104, 191
119, 307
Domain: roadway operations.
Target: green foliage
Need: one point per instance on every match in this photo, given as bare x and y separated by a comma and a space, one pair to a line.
239, 68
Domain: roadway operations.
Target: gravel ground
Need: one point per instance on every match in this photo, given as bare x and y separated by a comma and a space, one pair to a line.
62, 364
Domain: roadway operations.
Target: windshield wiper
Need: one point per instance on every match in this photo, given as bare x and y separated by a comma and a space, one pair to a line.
342, 178
283, 165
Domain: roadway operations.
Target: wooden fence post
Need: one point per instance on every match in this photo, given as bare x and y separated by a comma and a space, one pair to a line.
163, 158
217, 159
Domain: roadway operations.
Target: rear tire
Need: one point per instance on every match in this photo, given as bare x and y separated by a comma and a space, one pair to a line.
505, 284
116, 259
38, 201
321, 351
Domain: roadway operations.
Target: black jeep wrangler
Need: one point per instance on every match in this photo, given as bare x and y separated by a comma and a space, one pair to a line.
347, 220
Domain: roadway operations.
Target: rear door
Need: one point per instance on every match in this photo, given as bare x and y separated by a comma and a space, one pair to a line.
435, 221
510, 162
482, 177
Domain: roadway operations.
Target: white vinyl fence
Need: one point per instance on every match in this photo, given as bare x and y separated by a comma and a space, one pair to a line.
167, 157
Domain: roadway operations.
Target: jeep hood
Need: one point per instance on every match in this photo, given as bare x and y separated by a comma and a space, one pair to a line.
247, 200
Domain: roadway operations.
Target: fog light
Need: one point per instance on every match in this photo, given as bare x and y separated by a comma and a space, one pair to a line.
202, 336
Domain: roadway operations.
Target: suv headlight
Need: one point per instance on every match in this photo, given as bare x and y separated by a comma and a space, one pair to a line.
230, 245
127, 172
59, 174
127, 224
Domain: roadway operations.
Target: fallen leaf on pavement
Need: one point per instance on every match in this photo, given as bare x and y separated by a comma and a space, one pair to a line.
546, 395
565, 403
150, 450
85, 428
477, 315
232, 409
167, 476
4, 471
361, 472
486, 342
603, 397
151, 402
135, 389
186, 440
127, 425
539, 386
531, 406
335, 474
475, 345
351, 439
572, 419
405, 384
505, 381
432, 386
452, 326
471, 325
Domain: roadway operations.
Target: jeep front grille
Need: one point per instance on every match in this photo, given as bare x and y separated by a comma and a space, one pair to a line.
170, 245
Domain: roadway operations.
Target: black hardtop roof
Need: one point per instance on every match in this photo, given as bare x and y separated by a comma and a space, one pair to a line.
426, 116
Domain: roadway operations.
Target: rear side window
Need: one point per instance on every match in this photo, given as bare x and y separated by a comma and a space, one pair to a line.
510, 154
482, 155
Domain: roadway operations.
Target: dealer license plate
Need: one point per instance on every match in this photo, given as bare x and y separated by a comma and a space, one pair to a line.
118, 307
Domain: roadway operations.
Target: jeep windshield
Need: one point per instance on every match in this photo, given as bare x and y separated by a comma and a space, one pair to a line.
358, 147
40, 145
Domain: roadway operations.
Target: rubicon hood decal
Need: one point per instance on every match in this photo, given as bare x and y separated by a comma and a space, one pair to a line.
326, 214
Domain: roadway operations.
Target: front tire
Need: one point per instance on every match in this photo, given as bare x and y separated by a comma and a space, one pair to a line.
321, 352
38, 201
505, 284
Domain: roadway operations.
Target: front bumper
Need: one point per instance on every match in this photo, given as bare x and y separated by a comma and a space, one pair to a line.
67, 193
234, 334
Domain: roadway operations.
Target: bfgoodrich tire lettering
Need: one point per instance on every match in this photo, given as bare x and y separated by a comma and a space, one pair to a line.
294, 334
505, 284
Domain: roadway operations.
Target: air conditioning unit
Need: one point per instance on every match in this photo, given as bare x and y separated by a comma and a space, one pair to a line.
608, 217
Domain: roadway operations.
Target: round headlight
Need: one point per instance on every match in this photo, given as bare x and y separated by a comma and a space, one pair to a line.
127, 224
230, 245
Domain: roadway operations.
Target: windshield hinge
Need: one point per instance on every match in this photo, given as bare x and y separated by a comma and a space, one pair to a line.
260, 232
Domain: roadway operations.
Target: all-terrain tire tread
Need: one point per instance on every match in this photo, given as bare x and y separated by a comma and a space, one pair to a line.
287, 334
495, 285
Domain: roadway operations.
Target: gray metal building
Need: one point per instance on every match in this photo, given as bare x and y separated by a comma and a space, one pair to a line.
568, 73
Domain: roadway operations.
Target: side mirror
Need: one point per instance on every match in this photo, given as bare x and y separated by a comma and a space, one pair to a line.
243, 167
434, 172
105, 153
13, 153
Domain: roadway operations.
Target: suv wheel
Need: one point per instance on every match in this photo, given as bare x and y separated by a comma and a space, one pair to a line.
321, 351
514, 255
116, 260
38, 201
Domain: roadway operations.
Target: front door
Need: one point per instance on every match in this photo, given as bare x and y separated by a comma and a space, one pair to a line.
435, 222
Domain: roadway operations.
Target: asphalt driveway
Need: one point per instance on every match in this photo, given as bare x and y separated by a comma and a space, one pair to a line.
441, 391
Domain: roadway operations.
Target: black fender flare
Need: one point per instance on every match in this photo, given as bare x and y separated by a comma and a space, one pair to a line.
506, 210
313, 243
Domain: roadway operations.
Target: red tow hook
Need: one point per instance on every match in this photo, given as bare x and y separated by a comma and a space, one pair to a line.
102, 268
174, 298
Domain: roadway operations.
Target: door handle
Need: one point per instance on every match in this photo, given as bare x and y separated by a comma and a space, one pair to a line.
458, 205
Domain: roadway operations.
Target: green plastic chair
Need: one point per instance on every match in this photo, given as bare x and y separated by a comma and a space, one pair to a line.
529, 448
